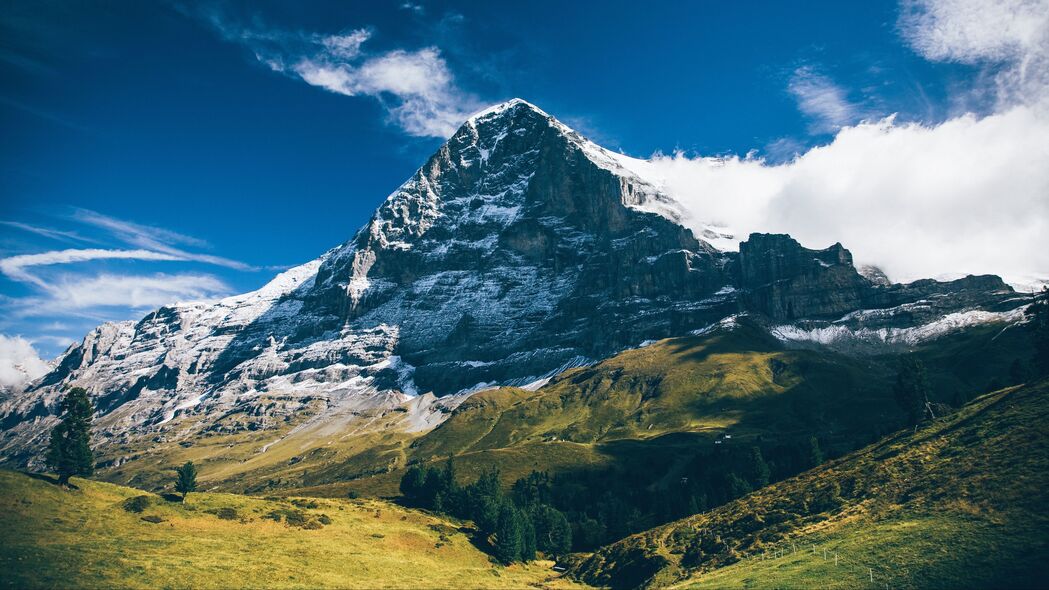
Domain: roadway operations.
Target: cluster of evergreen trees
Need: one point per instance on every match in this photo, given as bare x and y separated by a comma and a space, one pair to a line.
520, 524
583, 510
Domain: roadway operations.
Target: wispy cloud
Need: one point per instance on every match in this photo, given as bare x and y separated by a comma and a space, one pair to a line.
64, 284
823, 101
1009, 37
47, 232
156, 239
135, 291
414, 86
14, 267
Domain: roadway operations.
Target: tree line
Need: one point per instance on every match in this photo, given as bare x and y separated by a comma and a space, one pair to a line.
518, 526
580, 511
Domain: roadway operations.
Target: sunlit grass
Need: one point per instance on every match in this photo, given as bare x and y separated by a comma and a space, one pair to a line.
52, 537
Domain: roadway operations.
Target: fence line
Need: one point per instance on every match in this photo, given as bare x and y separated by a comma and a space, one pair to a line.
865, 573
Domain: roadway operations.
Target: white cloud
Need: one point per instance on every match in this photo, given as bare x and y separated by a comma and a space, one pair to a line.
19, 363
1011, 35
14, 267
970, 195
54, 234
415, 87
80, 294
346, 46
156, 239
821, 99
135, 291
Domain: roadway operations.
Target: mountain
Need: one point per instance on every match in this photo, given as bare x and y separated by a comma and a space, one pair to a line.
956, 503
518, 250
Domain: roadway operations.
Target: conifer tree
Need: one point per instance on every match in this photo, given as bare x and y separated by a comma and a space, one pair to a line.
912, 389
508, 534
528, 541
757, 470
187, 480
815, 454
552, 530
69, 452
412, 483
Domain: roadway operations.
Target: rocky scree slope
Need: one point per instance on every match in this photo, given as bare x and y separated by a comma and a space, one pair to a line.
519, 249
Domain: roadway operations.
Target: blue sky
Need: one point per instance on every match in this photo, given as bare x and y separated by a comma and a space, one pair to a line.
213, 143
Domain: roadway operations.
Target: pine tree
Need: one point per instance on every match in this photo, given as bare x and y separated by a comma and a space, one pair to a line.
483, 500
412, 483
508, 532
757, 470
187, 480
815, 454
69, 452
552, 531
912, 389
528, 541
736, 486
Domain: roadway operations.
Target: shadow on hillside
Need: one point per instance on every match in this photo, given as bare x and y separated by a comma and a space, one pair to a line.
51, 479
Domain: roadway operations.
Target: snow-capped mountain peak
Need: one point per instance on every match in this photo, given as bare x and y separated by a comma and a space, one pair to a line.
517, 249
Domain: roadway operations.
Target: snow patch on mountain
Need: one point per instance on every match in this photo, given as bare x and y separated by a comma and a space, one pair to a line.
834, 335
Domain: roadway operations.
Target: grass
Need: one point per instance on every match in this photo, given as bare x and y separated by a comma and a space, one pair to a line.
958, 503
942, 550
85, 538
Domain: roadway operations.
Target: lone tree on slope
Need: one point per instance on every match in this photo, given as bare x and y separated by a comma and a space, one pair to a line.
912, 389
187, 480
69, 452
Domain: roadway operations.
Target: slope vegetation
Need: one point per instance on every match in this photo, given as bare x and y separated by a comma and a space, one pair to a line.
960, 502
91, 538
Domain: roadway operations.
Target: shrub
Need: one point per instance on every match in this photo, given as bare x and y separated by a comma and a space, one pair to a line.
312, 525
353, 495
275, 516
137, 504
227, 513
153, 519
308, 504
324, 519
295, 517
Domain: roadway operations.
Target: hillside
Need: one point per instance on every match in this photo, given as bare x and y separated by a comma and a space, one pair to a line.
657, 405
957, 503
86, 538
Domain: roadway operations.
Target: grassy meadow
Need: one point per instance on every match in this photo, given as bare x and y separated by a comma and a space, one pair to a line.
87, 538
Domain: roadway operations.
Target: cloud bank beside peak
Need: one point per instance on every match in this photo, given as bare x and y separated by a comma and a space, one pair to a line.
969, 195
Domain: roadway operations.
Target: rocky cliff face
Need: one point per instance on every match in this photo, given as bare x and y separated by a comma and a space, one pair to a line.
787, 282
517, 250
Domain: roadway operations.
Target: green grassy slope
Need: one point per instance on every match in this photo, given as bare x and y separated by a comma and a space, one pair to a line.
674, 393
958, 503
84, 538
